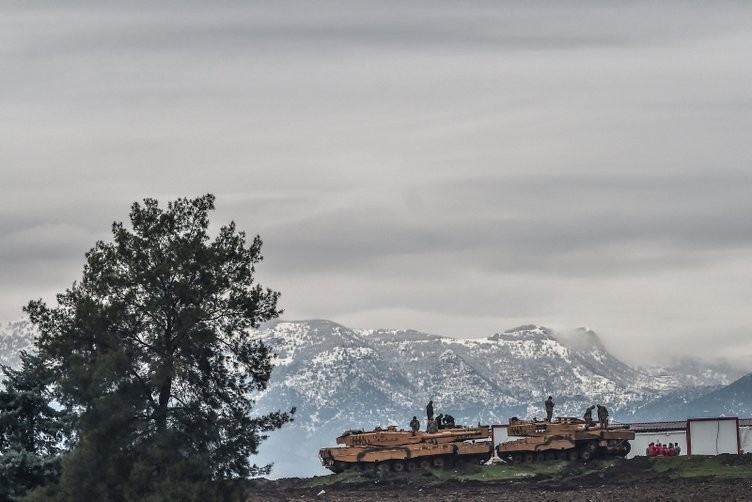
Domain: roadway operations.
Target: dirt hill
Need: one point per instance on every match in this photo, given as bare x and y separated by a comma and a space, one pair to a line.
725, 477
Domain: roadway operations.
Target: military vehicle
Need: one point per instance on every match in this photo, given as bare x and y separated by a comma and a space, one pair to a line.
564, 438
397, 450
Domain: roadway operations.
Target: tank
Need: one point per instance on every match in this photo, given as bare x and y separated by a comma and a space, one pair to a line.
397, 450
564, 438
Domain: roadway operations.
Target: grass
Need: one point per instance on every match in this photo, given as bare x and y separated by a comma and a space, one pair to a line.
506, 472
334, 479
725, 467
701, 466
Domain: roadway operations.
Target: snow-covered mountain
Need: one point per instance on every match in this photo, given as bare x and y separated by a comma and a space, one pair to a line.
734, 399
15, 337
340, 378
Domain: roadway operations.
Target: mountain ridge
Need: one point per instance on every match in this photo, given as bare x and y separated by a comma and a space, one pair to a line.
345, 378
341, 378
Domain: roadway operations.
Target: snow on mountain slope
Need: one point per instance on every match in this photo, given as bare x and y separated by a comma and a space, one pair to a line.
734, 399
15, 337
341, 378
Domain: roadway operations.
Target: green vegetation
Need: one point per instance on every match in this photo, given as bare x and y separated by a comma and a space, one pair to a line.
604, 470
721, 466
31, 430
349, 477
143, 376
511, 472
493, 473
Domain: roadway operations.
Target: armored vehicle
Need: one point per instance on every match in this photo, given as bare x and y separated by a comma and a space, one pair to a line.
563, 438
398, 450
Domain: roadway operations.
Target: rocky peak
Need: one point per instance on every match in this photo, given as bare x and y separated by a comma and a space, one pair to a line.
527, 332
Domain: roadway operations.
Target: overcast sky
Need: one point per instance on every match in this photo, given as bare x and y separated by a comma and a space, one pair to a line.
458, 168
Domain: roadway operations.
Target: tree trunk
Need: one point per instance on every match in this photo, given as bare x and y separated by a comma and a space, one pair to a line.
164, 399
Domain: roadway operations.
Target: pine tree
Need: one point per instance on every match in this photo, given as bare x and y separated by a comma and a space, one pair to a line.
151, 348
33, 433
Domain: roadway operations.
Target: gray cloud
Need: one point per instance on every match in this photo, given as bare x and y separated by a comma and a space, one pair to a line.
534, 223
457, 168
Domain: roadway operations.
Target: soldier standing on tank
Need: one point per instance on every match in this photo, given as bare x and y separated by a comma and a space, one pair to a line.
603, 416
439, 421
429, 410
589, 417
549, 408
415, 425
432, 427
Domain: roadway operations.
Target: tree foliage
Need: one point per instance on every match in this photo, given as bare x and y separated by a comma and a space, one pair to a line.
32, 432
151, 351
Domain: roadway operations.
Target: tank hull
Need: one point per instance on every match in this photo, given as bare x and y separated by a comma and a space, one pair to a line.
563, 439
393, 450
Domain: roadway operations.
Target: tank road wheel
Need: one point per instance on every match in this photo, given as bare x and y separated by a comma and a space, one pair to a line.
572, 454
586, 454
411, 465
528, 459
516, 458
424, 464
540, 456
398, 466
438, 462
550, 455
382, 467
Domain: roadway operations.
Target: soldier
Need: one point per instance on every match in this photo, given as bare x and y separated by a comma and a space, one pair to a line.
603, 416
432, 427
439, 422
549, 408
415, 425
429, 410
448, 421
589, 416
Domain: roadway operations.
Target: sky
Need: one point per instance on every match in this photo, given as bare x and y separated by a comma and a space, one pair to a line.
458, 168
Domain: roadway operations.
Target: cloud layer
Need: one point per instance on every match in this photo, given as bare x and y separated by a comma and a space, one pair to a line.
453, 168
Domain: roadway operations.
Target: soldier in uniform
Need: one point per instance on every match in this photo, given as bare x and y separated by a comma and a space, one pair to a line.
429, 410
589, 416
448, 421
439, 422
549, 408
415, 425
603, 416
432, 427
